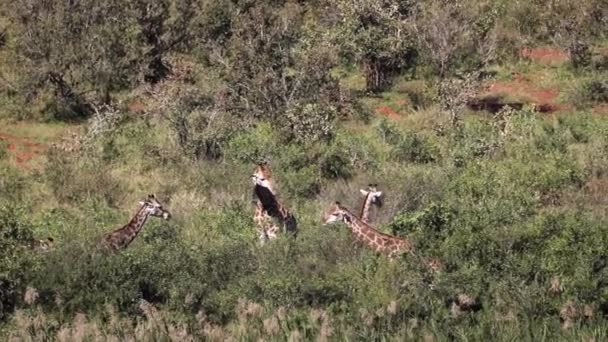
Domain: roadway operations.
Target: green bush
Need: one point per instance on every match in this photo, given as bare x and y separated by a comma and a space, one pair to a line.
590, 92
414, 148
16, 237
419, 93
335, 164
73, 179
309, 123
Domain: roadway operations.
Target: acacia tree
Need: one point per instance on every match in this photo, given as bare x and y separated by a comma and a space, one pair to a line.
456, 34
275, 67
84, 50
166, 26
375, 34
79, 48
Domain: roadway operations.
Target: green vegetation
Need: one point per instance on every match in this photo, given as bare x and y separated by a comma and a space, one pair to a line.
103, 103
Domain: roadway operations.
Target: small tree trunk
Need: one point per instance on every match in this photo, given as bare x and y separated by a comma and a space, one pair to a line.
374, 75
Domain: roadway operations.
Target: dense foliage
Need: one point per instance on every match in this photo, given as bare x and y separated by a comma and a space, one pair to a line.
181, 97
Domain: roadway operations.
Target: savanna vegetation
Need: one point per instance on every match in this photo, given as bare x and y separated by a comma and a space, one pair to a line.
483, 122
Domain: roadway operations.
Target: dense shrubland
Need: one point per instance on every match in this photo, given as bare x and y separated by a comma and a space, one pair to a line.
180, 97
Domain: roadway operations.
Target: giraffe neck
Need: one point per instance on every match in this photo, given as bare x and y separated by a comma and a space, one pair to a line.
275, 209
366, 208
360, 229
268, 199
379, 242
134, 226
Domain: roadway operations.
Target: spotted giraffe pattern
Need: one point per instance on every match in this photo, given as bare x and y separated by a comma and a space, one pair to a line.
389, 245
372, 197
268, 207
122, 237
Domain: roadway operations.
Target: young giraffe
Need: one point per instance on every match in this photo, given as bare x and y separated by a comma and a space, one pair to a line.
389, 245
122, 237
268, 206
44, 245
372, 197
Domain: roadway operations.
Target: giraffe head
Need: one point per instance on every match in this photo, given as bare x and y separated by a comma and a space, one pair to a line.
373, 194
153, 207
335, 213
262, 176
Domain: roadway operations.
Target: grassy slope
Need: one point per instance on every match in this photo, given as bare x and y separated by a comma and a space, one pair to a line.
504, 214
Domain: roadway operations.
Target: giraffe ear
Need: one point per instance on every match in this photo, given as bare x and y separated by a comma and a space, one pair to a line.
142, 203
364, 192
379, 194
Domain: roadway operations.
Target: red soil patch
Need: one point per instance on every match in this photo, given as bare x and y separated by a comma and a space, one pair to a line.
601, 109
22, 149
544, 55
388, 111
522, 91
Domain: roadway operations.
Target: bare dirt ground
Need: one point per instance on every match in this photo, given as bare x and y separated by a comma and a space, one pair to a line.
523, 91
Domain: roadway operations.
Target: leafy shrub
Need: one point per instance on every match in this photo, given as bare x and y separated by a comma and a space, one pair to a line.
334, 164
589, 93
304, 182
13, 184
419, 93
309, 122
388, 131
73, 179
430, 220
414, 148
16, 236
374, 34
253, 145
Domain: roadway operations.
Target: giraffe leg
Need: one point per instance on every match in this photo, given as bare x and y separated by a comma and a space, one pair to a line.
265, 226
260, 221
271, 231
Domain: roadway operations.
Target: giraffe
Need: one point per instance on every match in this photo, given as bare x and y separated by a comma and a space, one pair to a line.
372, 197
122, 237
43, 245
268, 207
389, 245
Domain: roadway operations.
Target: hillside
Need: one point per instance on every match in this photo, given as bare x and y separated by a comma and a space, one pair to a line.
484, 125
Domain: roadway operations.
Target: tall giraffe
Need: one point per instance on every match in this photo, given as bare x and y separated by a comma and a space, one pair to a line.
389, 245
268, 207
372, 197
122, 237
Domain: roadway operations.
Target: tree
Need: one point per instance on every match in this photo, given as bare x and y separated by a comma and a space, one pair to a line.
374, 34
453, 33
271, 63
78, 48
